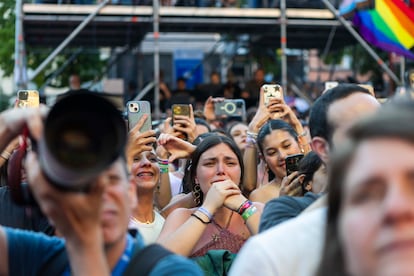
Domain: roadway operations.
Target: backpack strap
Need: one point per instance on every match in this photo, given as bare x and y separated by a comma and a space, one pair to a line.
143, 261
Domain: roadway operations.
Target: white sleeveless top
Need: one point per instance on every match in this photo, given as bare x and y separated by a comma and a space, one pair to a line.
149, 231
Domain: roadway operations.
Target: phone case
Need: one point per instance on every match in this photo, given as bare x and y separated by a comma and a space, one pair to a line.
135, 110
230, 109
180, 109
272, 91
28, 98
292, 163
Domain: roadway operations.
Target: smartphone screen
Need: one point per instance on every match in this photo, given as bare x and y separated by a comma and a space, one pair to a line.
28, 98
292, 163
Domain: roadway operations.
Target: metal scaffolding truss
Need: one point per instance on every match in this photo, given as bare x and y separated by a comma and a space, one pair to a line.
104, 25
120, 25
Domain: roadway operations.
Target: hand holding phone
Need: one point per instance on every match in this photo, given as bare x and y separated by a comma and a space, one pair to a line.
180, 110
271, 91
230, 109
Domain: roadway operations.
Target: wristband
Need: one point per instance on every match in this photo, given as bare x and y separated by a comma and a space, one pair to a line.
163, 165
252, 135
249, 212
162, 161
246, 205
5, 155
250, 140
200, 219
163, 168
205, 212
303, 134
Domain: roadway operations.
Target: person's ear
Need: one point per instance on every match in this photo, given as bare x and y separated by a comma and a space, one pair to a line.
321, 147
308, 186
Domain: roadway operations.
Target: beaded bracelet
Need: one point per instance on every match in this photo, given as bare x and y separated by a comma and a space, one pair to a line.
200, 219
249, 212
205, 212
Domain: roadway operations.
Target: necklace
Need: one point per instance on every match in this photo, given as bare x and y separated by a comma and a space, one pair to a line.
216, 237
147, 222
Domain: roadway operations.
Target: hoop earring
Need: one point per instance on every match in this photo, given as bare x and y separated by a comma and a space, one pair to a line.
197, 194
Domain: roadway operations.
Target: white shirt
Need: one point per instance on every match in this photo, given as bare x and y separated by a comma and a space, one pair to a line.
149, 231
175, 183
291, 248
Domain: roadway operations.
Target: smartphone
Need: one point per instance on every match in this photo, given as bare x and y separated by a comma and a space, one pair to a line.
230, 109
28, 98
272, 91
292, 163
183, 110
135, 111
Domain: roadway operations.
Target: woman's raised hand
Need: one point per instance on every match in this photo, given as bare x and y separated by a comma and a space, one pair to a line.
222, 193
176, 147
138, 141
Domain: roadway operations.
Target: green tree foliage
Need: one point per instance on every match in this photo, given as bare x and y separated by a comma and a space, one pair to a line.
7, 19
362, 62
87, 64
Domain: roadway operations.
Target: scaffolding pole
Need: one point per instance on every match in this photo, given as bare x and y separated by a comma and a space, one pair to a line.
156, 21
354, 33
64, 43
283, 41
20, 73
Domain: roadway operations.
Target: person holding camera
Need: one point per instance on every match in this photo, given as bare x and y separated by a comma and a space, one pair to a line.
92, 223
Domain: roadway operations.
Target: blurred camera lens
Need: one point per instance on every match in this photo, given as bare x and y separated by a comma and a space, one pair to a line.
84, 134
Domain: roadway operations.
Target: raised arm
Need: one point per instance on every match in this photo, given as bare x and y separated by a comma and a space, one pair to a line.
250, 156
12, 123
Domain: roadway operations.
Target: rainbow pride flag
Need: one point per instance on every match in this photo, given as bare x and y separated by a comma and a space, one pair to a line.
389, 25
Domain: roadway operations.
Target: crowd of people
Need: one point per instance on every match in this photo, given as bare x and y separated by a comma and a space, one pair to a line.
202, 195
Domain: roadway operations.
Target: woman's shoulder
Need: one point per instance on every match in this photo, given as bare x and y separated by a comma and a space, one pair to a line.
264, 193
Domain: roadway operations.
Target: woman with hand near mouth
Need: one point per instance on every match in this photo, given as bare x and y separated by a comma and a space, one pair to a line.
223, 218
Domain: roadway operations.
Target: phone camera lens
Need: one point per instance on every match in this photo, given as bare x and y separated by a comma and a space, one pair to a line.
230, 108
